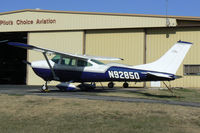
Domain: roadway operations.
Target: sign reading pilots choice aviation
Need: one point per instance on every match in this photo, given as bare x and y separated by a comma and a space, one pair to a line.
4, 22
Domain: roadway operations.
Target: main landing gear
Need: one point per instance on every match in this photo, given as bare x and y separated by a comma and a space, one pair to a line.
125, 85
44, 88
87, 87
111, 85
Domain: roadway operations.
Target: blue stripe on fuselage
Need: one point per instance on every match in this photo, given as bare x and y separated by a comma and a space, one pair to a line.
112, 74
43, 73
66, 75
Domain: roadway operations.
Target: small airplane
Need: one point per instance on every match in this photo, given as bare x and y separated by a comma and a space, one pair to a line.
68, 68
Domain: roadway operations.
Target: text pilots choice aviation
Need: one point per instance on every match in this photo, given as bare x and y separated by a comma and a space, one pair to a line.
68, 68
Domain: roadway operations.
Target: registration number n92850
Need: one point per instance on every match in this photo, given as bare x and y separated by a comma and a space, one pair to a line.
123, 75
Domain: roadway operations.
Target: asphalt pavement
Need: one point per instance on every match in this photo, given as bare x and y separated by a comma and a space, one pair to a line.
92, 95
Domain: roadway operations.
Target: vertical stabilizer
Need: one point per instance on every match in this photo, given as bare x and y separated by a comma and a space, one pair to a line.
170, 61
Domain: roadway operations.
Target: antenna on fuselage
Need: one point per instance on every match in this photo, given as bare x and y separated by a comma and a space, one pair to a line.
167, 19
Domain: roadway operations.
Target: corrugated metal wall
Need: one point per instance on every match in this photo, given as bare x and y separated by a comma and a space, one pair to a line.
159, 40
127, 44
71, 42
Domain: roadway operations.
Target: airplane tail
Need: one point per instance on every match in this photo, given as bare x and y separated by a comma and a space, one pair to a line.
170, 61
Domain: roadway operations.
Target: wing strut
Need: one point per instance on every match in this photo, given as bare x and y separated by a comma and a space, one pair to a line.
51, 68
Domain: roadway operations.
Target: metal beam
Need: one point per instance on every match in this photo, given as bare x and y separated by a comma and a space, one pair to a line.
51, 68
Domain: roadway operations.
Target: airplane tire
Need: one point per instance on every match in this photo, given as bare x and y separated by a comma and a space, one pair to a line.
44, 88
125, 85
62, 90
83, 88
110, 85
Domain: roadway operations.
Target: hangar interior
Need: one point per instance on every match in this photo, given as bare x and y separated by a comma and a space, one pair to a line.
137, 38
12, 68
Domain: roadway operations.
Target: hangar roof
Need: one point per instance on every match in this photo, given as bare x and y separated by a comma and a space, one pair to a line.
103, 13
50, 20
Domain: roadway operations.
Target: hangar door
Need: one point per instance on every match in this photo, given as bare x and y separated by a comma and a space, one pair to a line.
127, 44
12, 68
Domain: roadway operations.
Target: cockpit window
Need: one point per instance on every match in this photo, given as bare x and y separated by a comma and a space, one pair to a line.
97, 62
56, 59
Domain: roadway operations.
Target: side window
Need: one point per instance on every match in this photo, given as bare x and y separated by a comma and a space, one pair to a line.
82, 63
73, 62
89, 64
65, 61
68, 61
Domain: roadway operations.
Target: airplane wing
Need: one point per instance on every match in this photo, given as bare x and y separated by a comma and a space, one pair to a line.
48, 51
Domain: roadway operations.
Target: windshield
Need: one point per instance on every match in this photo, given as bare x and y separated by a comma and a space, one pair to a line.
97, 62
56, 58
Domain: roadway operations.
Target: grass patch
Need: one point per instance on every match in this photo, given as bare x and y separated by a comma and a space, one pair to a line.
19, 95
182, 94
48, 115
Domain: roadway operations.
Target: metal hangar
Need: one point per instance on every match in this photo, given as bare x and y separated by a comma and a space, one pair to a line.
137, 38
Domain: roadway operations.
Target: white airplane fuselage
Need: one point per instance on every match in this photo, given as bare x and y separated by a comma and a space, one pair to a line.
95, 72
67, 67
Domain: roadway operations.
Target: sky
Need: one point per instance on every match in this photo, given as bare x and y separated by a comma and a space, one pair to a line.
155, 7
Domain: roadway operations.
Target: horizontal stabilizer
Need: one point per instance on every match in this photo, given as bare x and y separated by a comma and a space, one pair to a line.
178, 76
159, 76
48, 51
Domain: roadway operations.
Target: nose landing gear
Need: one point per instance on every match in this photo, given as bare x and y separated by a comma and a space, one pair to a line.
44, 88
